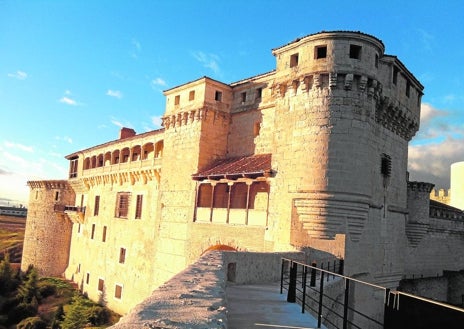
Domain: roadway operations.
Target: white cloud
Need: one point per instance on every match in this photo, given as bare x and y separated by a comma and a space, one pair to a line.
156, 120
439, 143
68, 101
16, 161
136, 44
117, 123
158, 82
20, 75
66, 139
120, 124
137, 49
19, 146
426, 38
428, 112
114, 93
431, 162
208, 60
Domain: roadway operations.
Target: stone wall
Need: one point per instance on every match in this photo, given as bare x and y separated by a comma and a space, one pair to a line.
195, 298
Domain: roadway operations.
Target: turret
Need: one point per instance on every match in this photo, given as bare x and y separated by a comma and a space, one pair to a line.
48, 228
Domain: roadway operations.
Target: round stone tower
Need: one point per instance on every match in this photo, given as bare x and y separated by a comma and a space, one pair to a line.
457, 185
345, 112
48, 228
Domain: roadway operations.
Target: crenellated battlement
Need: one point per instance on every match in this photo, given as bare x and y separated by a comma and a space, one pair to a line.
309, 156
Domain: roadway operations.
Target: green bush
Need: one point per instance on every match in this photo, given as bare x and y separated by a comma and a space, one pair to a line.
32, 323
21, 312
46, 289
98, 315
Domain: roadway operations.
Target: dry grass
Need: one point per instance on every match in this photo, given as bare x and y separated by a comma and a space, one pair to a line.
11, 231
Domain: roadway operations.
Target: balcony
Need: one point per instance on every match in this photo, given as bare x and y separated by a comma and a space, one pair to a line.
123, 167
73, 213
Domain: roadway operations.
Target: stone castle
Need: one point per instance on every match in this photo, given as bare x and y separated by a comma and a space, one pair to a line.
311, 156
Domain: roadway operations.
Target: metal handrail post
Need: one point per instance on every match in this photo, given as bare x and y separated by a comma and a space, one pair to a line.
345, 305
312, 283
303, 301
321, 294
282, 276
291, 296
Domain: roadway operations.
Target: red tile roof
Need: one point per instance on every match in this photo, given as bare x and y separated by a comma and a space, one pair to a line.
253, 166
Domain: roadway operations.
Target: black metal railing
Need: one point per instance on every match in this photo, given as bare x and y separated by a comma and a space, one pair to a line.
63, 208
328, 294
339, 301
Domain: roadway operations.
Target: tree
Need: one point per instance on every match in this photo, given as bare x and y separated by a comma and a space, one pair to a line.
6, 276
76, 316
58, 318
29, 290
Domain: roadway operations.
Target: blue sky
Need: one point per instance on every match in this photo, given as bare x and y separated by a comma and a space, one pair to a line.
73, 72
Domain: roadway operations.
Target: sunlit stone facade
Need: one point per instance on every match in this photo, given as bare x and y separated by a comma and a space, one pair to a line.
310, 156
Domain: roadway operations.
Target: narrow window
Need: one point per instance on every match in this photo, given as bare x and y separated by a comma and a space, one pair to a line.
218, 96
96, 209
395, 75
122, 255
79, 268
294, 60
177, 100
320, 52
408, 88
57, 195
36, 195
259, 93
376, 60
104, 234
87, 278
73, 167
118, 291
256, 128
138, 207
243, 97
355, 51
101, 285
122, 205
385, 166
79, 228
82, 200
191, 95
93, 231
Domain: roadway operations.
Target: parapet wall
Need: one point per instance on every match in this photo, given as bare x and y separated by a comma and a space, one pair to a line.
196, 297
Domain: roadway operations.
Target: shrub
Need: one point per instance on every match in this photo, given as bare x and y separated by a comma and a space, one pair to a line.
21, 312
98, 315
32, 323
75, 317
46, 290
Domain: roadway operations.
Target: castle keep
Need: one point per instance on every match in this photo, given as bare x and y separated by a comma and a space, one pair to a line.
311, 156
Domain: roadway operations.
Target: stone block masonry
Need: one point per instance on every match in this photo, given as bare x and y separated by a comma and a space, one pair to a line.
309, 156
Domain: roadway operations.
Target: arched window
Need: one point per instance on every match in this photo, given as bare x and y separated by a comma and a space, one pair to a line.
159, 146
125, 153
136, 150
115, 157
87, 163
107, 159
100, 160
148, 151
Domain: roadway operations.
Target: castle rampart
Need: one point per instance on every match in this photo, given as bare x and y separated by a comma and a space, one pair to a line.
309, 156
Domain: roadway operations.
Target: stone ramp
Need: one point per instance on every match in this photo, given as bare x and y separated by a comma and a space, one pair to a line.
263, 307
